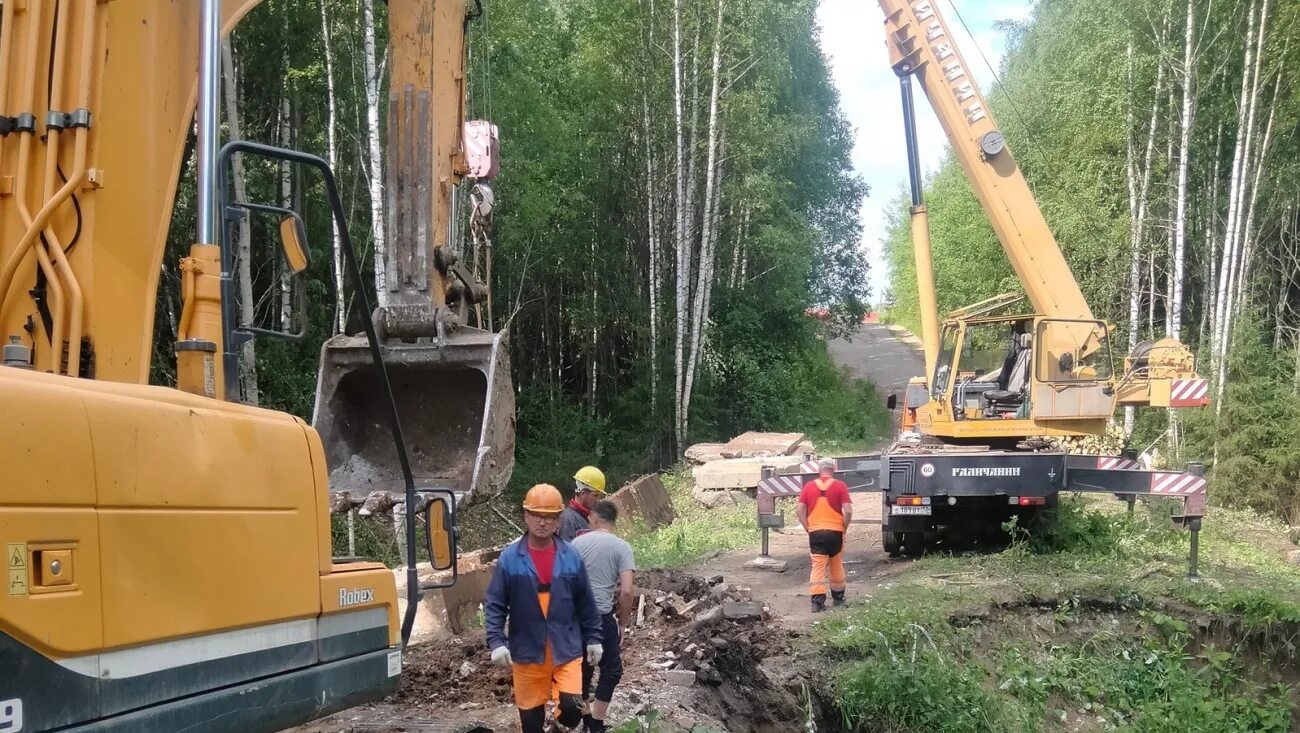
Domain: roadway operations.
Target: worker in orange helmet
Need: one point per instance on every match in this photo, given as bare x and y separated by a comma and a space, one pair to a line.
541, 616
825, 511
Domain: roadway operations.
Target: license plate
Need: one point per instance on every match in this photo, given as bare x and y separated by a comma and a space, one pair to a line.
923, 511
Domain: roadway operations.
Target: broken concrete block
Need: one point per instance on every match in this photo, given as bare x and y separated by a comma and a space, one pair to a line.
679, 677
705, 452
741, 610
647, 499
712, 614
1293, 557
767, 563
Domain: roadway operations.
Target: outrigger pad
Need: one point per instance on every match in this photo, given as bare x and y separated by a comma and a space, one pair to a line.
455, 403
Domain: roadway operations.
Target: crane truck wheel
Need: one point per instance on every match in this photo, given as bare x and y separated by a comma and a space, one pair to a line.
891, 544
913, 544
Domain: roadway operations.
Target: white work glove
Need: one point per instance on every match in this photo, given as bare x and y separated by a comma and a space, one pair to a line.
594, 653
501, 656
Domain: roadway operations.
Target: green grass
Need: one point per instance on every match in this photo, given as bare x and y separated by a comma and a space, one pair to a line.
696, 532
1089, 625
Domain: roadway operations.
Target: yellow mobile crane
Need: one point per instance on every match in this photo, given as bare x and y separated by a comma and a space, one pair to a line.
994, 378
1000, 385
167, 552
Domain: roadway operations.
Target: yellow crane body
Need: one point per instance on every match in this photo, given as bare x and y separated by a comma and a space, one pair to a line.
993, 376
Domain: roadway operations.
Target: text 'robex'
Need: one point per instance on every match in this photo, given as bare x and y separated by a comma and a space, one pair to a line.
352, 597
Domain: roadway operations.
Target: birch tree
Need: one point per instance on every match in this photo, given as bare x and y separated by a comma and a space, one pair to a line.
331, 147
376, 172
704, 281
1138, 177
1186, 121
681, 241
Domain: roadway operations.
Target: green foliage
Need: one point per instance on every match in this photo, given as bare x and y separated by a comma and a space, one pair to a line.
1091, 626
696, 531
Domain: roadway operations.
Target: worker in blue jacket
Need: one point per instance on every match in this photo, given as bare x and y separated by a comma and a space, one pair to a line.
540, 584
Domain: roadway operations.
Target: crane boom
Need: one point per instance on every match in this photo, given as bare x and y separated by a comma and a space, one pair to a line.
921, 45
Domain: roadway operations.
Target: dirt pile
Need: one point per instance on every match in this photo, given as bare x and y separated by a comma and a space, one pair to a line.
708, 655
702, 653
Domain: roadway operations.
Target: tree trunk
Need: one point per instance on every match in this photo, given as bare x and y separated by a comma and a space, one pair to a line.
244, 246
681, 241
373, 83
1185, 123
331, 147
704, 281
1232, 246
651, 192
1139, 181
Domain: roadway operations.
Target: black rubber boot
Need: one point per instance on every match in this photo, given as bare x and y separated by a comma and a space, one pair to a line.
593, 725
837, 598
819, 603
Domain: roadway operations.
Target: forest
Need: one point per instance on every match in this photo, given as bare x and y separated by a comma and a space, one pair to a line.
1161, 142
675, 191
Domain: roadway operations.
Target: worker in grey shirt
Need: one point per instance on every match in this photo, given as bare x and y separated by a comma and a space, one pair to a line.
610, 566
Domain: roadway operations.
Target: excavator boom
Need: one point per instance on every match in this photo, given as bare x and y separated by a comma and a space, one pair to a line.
452, 381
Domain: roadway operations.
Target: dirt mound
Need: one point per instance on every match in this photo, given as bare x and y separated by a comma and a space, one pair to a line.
446, 674
709, 654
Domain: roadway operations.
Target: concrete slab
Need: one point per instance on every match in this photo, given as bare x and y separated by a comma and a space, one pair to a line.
738, 473
762, 444
770, 564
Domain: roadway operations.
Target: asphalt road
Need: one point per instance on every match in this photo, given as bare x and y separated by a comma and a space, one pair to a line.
875, 353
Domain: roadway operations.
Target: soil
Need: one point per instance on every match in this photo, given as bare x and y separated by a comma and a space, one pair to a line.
743, 632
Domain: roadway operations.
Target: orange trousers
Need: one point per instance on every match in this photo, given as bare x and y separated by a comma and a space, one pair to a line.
820, 565
534, 683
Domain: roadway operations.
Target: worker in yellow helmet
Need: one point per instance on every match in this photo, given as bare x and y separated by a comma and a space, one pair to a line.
589, 488
540, 588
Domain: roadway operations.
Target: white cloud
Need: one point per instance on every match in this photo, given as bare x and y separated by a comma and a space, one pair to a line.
852, 36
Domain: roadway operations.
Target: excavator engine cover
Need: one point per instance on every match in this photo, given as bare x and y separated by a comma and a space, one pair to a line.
455, 403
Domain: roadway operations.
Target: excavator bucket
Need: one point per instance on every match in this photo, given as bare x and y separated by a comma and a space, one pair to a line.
455, 403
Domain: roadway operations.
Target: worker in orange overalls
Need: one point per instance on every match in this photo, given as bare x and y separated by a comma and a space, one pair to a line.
825, 511
540, 584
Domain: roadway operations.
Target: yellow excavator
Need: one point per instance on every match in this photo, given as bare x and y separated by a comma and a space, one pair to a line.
168, 558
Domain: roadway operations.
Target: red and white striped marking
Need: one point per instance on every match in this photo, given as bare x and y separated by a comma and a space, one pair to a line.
781, 485
1114, 463
1164, 482
809, 467
1189, 393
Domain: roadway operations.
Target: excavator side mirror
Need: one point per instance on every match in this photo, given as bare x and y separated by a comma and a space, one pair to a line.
293, 242
439, 522
280, 304
891, 402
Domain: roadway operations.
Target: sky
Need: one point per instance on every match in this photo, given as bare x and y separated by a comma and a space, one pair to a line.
852, 37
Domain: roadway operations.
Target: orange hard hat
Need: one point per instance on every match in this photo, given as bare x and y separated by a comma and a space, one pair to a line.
543, 499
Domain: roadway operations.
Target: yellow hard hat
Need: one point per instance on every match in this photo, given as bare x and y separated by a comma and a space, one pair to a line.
543, 499
590, 477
